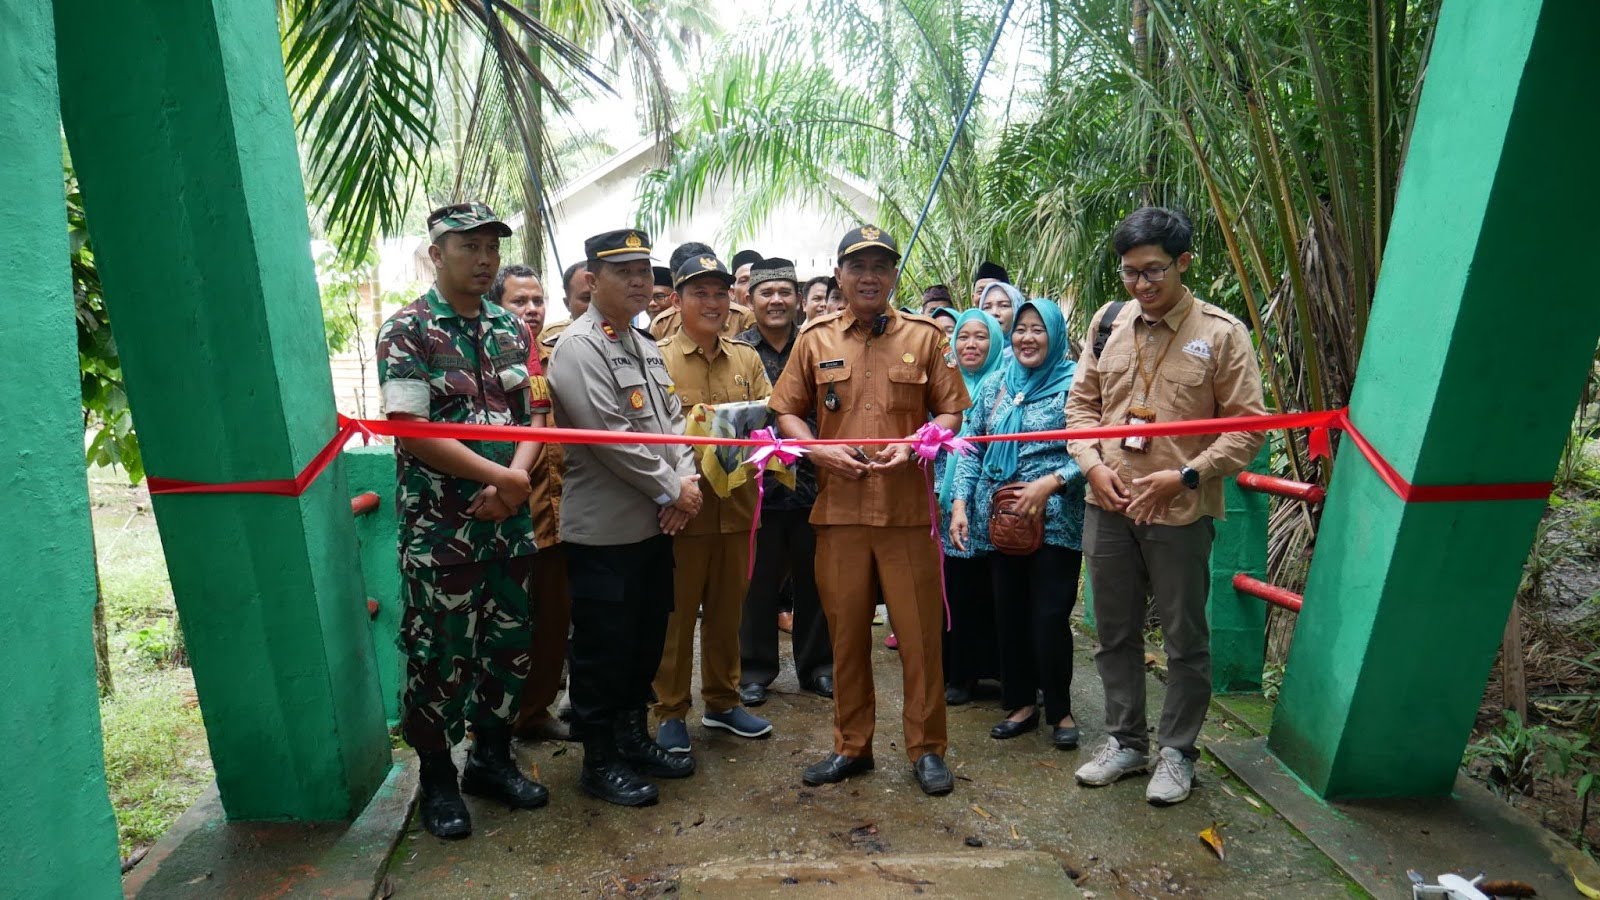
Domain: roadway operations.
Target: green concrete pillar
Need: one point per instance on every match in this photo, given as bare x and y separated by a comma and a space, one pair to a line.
58, 837
1475, 355
372, 469
178, 120
1239, 623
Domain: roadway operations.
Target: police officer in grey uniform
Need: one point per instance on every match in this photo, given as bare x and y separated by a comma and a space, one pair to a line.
620, 505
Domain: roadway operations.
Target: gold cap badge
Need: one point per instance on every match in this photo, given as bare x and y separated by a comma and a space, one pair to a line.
870, 233
633, 242
707, 262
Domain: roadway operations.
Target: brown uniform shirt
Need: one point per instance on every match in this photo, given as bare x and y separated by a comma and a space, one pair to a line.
887, 386
546, 476
668, 322
547, 336
1209, 373
735, 375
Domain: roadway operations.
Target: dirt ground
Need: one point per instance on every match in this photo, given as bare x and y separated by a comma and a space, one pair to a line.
746, 802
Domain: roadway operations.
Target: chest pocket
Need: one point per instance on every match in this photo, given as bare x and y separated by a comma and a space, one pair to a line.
1185, 385
666, 393
907, 388
835, 381
633, 394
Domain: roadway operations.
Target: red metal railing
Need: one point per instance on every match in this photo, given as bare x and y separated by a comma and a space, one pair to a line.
1277, 596
1282, 487
365, 502
1278, 487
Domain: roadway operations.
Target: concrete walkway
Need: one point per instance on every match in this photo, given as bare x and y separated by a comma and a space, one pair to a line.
746, 805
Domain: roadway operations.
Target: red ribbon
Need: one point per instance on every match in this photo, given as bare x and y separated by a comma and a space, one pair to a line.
1320, 424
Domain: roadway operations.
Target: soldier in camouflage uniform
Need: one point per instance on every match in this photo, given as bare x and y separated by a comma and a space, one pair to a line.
466, 537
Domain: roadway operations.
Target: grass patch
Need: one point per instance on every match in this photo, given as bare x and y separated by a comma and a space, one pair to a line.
156, 758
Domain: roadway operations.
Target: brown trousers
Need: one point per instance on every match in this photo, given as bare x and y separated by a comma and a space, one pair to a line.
710, 578
854, 564
552, 617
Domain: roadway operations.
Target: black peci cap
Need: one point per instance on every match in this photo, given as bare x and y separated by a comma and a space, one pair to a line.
663, 276
743, 258
865, 238
996, 271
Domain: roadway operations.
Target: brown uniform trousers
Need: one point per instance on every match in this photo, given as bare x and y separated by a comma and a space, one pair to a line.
552, 615
873, 533
712, 553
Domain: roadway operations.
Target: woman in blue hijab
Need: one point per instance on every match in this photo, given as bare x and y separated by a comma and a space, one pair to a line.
971, 649
1034, 594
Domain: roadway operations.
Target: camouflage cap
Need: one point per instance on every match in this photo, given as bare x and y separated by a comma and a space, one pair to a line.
696, 266
623, 245
464, 217
772, 269
867, 237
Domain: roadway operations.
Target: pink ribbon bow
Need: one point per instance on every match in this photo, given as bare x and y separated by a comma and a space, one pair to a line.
932, 438
775, 448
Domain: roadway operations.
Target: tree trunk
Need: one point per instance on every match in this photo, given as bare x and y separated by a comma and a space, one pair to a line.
533, 199
102, 644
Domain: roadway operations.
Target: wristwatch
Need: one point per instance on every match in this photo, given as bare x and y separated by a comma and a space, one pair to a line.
1191, 478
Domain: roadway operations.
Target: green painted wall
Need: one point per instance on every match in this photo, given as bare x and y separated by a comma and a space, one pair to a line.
372, 469
58, 837
1239, 623
1475, 355
178, 119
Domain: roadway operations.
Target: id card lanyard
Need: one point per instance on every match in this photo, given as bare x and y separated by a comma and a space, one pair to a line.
1140, 412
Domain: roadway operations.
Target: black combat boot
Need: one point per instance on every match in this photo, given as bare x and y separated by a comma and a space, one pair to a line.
444, 813
644, 754
606, 776
492, 773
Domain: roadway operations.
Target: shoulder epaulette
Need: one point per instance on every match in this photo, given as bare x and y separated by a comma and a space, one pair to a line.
826, 317
1217, 312
926, 320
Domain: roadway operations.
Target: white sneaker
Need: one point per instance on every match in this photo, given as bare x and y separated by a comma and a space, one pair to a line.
1172, 780
1112, 762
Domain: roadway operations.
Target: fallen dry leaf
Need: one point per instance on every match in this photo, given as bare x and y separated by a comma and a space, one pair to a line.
1213, 839
1252, 801
1049, 765
980, 811
1149, 659
1585, 890
1014, 835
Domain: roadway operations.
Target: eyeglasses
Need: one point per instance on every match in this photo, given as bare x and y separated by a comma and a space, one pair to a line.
1154, 274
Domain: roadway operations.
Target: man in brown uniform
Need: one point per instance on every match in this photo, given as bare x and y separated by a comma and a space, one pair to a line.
875, 372
1147, 527
517, 288
667, 323
575, 297
712, 551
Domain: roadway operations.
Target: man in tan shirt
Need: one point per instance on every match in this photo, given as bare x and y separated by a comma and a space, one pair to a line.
669, 320
1169, 357
712, 552
875, 372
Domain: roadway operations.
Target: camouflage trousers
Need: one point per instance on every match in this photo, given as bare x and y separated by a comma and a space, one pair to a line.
465, 634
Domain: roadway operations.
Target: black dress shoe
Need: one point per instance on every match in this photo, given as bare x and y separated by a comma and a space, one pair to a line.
1008, 729
647, 757
822, 686
492, 773
1065, 738
752, 694
443, 812
933, 775
957, 694
836, 768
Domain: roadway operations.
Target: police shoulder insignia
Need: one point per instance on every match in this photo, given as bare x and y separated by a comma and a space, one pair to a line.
608, 331
636, 399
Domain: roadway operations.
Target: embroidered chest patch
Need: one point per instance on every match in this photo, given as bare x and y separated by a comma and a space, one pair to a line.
1198, 349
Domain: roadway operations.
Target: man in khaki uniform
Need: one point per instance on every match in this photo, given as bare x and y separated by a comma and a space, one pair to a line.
712, 552
575, 296
667, 323
1147, 529
875, 372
